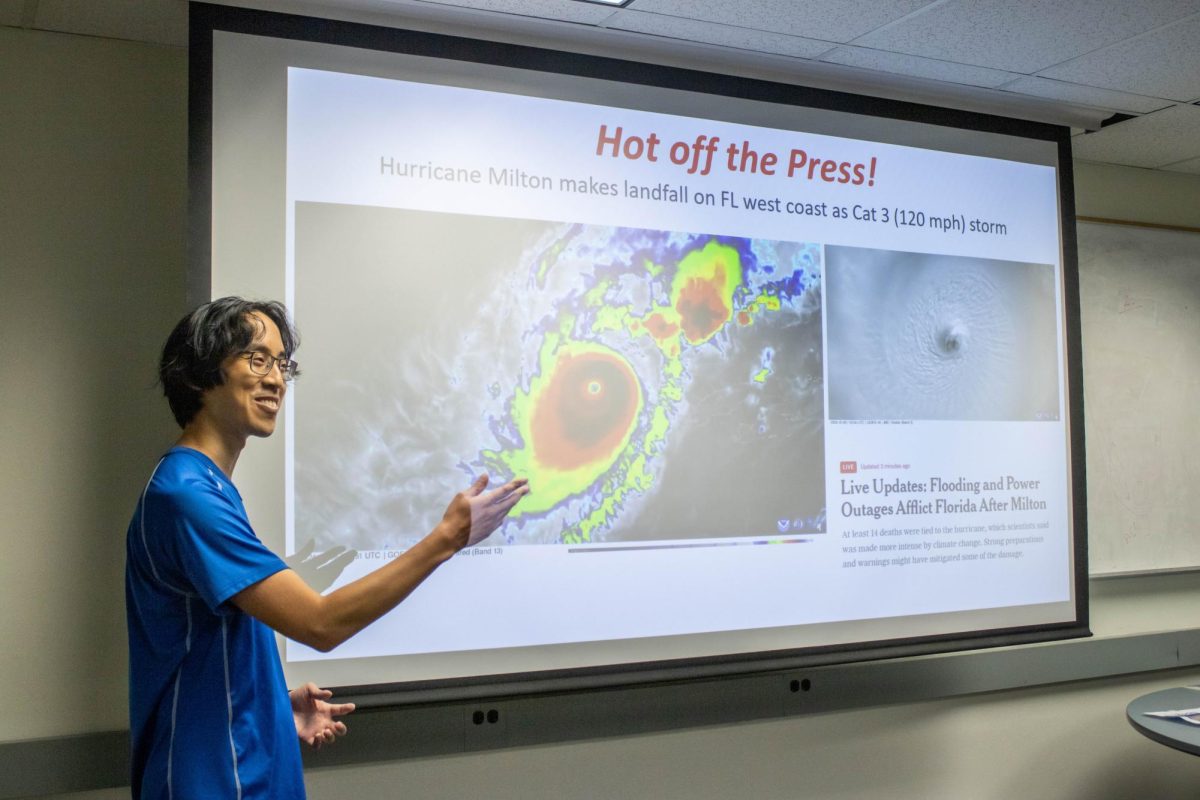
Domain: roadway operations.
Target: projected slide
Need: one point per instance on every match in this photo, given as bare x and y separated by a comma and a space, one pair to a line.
771, 388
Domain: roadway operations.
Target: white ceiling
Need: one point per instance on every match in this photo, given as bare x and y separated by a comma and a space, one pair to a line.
1072, 61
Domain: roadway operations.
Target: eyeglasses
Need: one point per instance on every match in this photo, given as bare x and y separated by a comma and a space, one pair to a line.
261, 363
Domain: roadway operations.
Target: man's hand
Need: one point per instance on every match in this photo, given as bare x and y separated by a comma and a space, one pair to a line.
475, 513
315, 723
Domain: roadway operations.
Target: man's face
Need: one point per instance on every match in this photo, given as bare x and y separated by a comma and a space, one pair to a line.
247, 404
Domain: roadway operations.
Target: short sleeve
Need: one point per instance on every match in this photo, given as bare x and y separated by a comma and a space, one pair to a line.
215, 547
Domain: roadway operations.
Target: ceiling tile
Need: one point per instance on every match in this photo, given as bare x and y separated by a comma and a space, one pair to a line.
828, 20
562, 10
1087, 95
1165, 63
1191, 165
724, 35
157, 21
1023, 37
901, 64
1164, 137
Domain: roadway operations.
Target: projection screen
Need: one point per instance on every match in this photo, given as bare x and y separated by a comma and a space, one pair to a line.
791, 373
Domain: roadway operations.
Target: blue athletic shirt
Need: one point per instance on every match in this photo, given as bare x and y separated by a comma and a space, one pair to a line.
208, 707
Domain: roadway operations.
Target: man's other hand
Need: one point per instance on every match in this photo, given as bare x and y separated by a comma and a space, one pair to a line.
315, 723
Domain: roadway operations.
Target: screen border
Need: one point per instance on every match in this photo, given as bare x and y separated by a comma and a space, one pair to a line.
207, 18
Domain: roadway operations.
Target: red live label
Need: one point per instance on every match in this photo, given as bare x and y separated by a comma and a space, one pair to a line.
849, 467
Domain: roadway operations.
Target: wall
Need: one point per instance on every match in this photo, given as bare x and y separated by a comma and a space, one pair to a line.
1107, 191
92, 137
92, 187
1067, 743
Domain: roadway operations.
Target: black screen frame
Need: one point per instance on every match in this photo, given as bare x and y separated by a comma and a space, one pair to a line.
207, 18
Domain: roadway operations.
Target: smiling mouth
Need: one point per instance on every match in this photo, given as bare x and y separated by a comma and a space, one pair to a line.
268, 403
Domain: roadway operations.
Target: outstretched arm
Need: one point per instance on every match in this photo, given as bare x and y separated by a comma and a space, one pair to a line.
287, 604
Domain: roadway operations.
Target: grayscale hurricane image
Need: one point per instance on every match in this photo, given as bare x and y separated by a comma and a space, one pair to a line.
913, 336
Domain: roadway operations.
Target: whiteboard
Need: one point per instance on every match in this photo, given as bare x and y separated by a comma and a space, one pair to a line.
1140, 315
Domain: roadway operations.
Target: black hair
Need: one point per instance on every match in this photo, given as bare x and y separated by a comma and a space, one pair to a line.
200, 343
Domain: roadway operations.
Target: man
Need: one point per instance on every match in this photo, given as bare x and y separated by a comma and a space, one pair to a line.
209, 712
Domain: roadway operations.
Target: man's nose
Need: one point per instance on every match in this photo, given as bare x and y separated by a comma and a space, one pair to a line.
275, 375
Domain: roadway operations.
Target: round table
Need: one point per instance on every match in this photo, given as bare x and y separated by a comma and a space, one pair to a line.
1172, 732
